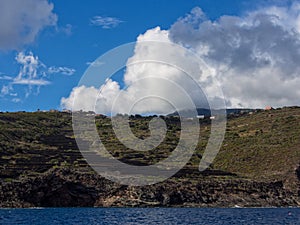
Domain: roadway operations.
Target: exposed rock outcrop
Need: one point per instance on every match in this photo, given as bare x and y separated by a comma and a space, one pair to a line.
70, 188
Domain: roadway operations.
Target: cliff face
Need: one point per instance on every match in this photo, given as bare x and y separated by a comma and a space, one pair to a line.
69, 188
258, 164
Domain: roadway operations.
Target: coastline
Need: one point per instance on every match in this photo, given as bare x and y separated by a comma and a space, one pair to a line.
59, 188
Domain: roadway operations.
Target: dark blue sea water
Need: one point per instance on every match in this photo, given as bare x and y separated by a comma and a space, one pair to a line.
149, 216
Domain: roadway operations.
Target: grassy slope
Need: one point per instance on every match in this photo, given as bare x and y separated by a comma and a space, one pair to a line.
262, 146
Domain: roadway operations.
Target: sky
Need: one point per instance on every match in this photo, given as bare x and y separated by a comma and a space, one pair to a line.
252, 48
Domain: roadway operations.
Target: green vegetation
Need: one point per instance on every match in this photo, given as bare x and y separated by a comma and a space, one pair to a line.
35, 142
265, 145
261, 146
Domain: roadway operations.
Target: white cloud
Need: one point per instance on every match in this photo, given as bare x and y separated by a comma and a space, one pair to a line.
33, 71
62, 70
30, 73
88, 94
5, 77
16, 100
21, 21
37, 82
255, 58
153, 83
6, 89
105, 22
95, 63
33, 74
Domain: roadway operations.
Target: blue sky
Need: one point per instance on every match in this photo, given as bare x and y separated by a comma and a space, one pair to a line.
76, 33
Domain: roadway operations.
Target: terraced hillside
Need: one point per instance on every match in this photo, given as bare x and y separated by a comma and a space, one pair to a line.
258, 164
263, 146
35, 142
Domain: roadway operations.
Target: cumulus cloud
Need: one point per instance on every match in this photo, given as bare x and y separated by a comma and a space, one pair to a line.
255, 58
152, 86
21, 21
105, 22
88, 96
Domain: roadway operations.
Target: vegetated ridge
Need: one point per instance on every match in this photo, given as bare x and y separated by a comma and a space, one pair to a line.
257, 166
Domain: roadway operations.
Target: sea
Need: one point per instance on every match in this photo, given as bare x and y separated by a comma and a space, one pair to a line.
92, 216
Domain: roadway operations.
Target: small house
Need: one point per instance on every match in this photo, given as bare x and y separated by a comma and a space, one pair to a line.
200, 117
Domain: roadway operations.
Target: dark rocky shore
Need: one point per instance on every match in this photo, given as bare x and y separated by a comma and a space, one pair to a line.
70, 188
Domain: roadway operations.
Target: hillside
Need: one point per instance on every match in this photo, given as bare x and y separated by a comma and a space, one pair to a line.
258, 164
265, 145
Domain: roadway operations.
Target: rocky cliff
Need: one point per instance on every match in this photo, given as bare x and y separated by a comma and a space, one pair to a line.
70, 188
